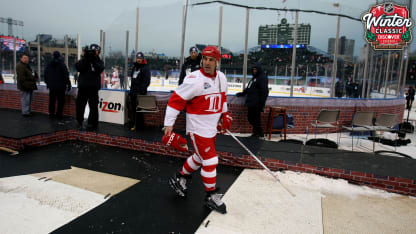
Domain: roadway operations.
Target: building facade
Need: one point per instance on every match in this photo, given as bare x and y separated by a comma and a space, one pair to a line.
283, 33
345, 48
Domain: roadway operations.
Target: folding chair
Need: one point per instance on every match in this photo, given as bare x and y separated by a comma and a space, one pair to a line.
326, 119
385, 122
361, 122
145, 104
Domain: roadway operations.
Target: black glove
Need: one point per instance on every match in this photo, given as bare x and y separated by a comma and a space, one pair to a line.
68, 88
239, 94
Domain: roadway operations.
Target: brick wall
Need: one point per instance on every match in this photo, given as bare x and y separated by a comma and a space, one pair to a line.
304, 110
10, 99
392, 184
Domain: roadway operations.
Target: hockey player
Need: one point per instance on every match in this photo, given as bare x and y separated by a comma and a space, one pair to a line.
204, 94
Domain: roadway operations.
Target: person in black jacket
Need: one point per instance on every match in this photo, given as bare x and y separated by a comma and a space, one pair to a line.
57, 81
90, 68
256, 94
410, 97
140, 81
191, 64
348, 87
339, 89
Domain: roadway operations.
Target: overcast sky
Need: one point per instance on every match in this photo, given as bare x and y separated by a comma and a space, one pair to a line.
161, 22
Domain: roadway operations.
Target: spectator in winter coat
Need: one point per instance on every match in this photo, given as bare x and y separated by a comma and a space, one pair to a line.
140, 81
90, 68
256, 94
26, 83
410, 97
348, 87
339, 89
192, 63
355, 89
57, 81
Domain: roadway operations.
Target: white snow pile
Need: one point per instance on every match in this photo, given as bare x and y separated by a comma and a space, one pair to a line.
329, 186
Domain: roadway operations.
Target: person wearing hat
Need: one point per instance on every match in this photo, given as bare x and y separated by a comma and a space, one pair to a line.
256, 94
57, 81
90, 68
191, 64
140, 81
204, 94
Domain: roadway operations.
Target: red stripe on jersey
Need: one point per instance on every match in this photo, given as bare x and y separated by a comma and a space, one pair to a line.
206, 104
176, 102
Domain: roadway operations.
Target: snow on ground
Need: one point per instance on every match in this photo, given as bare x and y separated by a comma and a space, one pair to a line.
256, 203
329, 186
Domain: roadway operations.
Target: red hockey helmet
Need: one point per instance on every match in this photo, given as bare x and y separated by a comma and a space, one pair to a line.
212, 51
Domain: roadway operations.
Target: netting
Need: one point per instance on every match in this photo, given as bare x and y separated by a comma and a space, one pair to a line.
351, 9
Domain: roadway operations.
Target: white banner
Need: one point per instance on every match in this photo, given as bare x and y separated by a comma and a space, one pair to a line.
111, 107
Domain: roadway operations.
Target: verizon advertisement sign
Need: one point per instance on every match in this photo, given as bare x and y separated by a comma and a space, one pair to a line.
387, 26
111, 107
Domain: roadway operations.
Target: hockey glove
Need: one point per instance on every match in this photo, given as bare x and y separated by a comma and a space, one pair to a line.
176, 141
226, 122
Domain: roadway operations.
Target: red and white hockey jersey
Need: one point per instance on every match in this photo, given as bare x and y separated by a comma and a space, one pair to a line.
205, 99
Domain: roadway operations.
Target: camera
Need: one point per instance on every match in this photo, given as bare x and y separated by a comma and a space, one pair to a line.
90, 52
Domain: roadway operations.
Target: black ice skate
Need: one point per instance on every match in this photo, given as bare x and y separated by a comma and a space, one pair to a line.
178, 183
213, 201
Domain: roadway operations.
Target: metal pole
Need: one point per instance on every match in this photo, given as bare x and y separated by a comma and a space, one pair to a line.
185, 8
326, 72
334, 65
103, 49
219, 37
387, 74
367, 51
14, 60
407, 52
353, 73
246, 49
137, 32
295, 40
393, 66
370, 73
398, 91
358, 70
66, 51
405, 67
101, 41
126, 59
78, 46
381, 71
39, 62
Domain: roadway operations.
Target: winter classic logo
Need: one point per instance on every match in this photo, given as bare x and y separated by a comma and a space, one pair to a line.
387, 26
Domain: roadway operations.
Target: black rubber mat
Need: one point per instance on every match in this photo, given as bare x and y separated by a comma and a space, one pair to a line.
147, 207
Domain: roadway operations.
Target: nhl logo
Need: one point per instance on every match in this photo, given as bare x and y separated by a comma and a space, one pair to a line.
387, 26
207, 86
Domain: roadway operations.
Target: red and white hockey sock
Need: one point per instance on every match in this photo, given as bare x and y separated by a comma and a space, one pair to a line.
209, 173
192, 164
